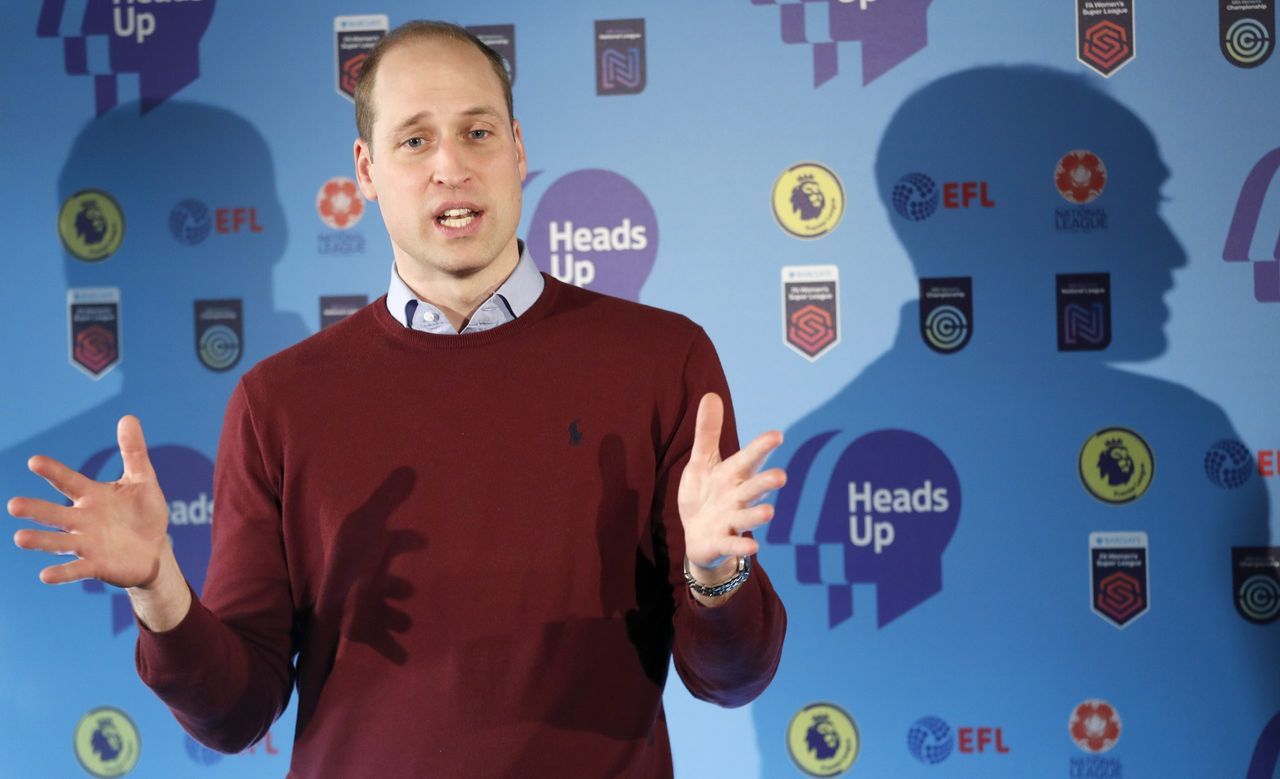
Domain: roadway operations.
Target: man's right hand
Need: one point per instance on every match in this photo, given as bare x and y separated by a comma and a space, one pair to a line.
117, 530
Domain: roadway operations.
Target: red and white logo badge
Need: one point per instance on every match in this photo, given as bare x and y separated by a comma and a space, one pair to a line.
1080, 176
339, 203
1095, 726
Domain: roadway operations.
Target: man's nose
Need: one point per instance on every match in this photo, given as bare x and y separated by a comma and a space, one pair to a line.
452, 168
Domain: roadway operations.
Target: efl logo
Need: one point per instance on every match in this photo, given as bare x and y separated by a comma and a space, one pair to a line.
191, 221
915, 196
823, 740
1228, 464
890, 31
930, 740
156, 40
891, 505
1244, 224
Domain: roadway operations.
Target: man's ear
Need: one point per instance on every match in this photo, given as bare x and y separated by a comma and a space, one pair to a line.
521, 161
364, 173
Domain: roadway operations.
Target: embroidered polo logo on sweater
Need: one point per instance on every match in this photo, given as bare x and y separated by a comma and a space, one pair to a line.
575, 434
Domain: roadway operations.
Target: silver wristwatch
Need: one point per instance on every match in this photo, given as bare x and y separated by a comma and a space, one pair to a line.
744, 570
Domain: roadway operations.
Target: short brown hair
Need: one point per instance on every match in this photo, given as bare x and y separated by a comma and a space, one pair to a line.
424, 30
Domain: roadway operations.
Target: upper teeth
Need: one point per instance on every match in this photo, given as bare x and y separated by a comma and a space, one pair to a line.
454, 212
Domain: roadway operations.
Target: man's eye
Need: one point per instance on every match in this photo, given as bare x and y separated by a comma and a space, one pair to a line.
479, 135
414, 143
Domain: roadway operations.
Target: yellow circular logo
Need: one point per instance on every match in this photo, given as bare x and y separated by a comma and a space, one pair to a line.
808, 200
107, 742
1116, 465
91, 225
823, 740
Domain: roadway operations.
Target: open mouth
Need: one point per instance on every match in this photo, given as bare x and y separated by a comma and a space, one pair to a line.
457, 217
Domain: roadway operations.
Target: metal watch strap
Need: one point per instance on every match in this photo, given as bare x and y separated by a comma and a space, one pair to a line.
744, 571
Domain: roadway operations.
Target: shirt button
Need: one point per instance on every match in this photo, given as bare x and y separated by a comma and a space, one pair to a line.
430, 316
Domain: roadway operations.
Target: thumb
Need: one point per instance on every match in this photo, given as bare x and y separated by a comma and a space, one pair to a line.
133, 448
706, 430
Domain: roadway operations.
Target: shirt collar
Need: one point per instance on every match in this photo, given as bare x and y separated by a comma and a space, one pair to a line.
515, 296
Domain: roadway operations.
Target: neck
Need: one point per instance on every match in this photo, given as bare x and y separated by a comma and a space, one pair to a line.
458, 295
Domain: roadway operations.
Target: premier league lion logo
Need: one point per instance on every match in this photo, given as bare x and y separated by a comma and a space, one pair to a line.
1115, 464
807, 198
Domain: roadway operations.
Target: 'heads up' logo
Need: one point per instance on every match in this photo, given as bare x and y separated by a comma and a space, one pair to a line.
929, 740
1116, 465
158, 41
808, 200
186, 478
1228, 464
890, 31
595, 229
107, 742
1244, 223
915, 197
91, 225
822, 740
1094, 726
891, 505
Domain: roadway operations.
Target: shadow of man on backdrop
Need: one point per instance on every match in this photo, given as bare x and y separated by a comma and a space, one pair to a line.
983, 611
202, 222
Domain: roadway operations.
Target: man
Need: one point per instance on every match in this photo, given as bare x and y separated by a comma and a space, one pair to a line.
483, 542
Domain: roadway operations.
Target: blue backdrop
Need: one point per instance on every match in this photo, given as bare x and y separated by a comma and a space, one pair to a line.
1007, 274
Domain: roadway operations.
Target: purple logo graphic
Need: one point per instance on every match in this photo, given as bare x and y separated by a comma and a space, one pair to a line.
158, 41
890, 31
892, 504
186, 477
1267, 753
1266, 273
595, 229
620, 56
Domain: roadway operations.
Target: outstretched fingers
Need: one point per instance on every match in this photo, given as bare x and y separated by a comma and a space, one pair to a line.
69, 482
706, 430
133, 448
747, 460
73, 571
760, 485
44, 512
47, 541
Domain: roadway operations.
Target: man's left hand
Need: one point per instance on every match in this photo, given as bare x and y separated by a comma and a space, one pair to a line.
718, 498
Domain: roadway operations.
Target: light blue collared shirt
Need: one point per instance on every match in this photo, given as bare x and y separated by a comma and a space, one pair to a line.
516, 296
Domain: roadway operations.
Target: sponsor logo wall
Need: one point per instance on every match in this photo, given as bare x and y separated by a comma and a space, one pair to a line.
982, 302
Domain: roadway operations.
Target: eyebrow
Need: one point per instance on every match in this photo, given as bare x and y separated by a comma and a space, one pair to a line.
479, 110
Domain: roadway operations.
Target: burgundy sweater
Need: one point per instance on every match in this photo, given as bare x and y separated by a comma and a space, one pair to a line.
470, 544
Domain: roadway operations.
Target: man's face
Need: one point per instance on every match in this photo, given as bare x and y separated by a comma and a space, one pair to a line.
445, 162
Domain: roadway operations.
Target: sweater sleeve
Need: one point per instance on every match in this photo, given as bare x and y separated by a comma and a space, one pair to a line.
225, 670
728, 654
